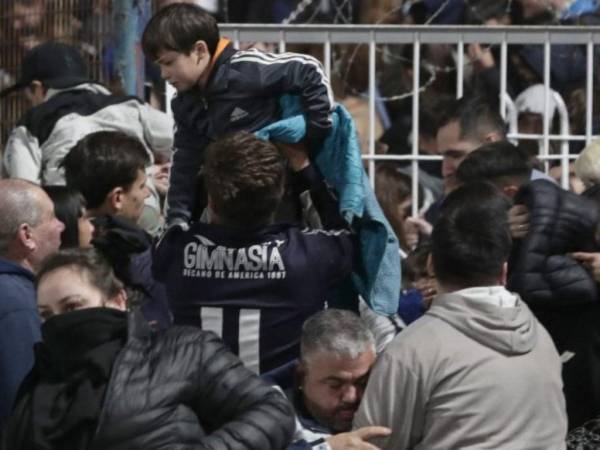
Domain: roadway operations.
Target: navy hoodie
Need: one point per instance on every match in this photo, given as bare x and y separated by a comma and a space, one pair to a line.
19, 330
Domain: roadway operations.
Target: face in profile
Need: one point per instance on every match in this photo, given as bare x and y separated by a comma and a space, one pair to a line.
132, 200
333, 386
454, 150
68, 289
46, 233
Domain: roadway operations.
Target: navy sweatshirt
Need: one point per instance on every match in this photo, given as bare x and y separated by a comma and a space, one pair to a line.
255, 288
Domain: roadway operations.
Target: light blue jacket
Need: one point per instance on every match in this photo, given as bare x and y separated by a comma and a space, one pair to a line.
377, 279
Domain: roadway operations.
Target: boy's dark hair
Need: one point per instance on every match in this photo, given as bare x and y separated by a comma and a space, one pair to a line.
471, 240
495, 162
244, 178
177, 28
102, 161
87, 262
475, 116
69, 206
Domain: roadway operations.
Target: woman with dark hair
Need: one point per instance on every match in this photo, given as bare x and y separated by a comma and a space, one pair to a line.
69, 207
102, 379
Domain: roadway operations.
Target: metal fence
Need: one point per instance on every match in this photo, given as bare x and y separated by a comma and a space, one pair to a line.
27, 23
374, 37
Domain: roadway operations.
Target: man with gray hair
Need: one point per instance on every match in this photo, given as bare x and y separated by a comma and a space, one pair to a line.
29, 231
336, 354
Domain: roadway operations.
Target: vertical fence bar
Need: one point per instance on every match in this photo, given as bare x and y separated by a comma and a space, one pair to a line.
460, 67
503, 69
589, 91
415, 123
372, 107
236, 38
327, 56
282, 41
546, 146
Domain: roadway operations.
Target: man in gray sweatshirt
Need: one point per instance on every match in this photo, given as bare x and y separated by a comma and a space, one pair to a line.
477, 371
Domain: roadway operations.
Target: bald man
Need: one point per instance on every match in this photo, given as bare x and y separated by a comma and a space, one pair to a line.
29, 231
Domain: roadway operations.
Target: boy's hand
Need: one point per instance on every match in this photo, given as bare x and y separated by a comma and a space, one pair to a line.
295, 153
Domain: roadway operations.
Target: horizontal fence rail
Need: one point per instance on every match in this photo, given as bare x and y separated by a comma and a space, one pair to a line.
459, 36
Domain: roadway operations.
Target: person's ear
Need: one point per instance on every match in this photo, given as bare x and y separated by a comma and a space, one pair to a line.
35, 93
504, 274
201, 50
300, 373
429, 266
115, 199
119, 301
25, 237
492, 136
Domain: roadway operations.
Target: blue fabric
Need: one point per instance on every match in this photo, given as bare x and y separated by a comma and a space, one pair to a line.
377, 279
580, 7
19, 330
410, 307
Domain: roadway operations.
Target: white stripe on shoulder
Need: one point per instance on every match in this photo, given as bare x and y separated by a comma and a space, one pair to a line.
273, 58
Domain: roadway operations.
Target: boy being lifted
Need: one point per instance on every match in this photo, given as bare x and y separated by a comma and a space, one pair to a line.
221, 90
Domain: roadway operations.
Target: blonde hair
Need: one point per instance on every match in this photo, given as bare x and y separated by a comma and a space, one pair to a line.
587, 164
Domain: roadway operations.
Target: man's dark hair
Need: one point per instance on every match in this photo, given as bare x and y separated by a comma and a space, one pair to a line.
244, 178
475, 116
102, 161
471, 240
177, 28
495, 162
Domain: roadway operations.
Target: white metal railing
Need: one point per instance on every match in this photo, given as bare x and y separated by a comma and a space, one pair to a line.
460, 36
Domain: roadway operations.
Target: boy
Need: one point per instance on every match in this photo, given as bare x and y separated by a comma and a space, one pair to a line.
221, 90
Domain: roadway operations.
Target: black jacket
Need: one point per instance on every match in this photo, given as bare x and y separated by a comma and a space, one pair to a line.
242, 93
540, 269
180, 389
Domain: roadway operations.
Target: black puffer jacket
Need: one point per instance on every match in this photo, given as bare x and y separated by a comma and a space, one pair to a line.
540, 269
181, 389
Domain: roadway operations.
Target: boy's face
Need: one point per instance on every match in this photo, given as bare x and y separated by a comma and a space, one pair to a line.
184, 71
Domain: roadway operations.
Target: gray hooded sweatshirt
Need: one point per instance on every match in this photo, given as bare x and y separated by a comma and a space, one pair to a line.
477, 371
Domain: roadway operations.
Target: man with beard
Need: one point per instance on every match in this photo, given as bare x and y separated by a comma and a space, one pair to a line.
336, 354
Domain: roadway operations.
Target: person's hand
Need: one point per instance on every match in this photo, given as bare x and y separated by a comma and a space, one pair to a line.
356, 440
414, 227
591, 261
518, 220
481, 57
160, 177
428, 288
295, 153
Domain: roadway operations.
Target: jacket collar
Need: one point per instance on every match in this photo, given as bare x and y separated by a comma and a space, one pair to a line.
220, 66
11, 268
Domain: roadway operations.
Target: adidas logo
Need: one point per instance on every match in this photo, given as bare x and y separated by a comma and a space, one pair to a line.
237, 114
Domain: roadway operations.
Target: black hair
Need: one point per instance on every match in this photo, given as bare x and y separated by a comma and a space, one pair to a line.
69, 206
89, 263
476, 117
471, 240
494, 162
177, 28
102, 161
244, 178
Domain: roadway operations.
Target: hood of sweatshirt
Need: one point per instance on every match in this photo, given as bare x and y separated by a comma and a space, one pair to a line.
492, 316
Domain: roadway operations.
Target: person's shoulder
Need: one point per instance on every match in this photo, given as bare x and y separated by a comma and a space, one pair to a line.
421, 337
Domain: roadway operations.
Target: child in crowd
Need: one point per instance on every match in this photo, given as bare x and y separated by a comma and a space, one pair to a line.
221, 89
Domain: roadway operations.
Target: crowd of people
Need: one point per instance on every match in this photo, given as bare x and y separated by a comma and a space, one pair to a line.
227, 277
